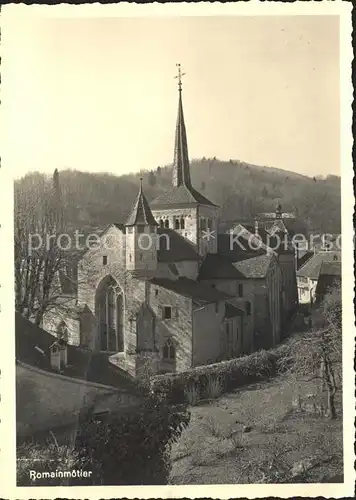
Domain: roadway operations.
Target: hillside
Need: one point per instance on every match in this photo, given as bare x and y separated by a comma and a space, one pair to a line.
242, 191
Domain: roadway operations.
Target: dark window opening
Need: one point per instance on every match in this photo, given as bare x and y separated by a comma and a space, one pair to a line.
166, 223
156, 292
248, 308
105, 260
176, 224
169, 351
240, 290
167, 312
182, 224
161, 223
110, 313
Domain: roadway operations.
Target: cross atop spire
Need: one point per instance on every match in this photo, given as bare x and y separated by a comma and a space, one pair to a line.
179, 76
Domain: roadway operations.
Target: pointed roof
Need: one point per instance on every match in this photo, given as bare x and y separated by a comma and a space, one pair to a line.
182, 192
141, 214
181, 167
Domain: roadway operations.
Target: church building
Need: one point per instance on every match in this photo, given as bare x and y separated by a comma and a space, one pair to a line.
157, 294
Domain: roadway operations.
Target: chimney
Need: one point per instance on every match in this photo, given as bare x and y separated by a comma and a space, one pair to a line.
58, 355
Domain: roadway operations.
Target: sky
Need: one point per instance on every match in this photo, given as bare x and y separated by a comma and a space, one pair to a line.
99, 94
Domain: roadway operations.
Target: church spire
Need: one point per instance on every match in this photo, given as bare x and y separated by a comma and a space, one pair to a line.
141, 214
181, 168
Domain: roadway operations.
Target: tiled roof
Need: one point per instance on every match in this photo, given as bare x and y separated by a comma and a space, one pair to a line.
32, 347
192, 289
232, 311
330, 275
120, 226
331, 268
312, 267
215, 266
180, 196
254, 267
239, 242
141, 213
178, 249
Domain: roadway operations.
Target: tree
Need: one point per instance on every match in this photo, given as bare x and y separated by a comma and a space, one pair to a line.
316, 355
152, 179
38, 256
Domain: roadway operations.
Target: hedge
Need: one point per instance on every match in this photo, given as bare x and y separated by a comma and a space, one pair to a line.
234, 373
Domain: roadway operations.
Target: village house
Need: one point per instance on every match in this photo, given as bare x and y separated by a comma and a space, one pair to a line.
308, 275
162, 292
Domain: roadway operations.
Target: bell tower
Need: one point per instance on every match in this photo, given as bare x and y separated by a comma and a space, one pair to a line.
183, 208
141, 237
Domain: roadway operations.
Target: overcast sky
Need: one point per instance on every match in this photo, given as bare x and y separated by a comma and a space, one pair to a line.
98, 94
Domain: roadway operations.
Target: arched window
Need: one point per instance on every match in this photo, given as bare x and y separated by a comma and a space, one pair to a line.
176, 224
169, 351
166, 223
62, 331
109, 309
182, 225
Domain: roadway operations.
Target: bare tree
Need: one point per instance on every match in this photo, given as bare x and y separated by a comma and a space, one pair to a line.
317, 355
38, 256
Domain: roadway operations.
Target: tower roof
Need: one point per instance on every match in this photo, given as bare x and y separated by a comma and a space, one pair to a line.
141, 214
182, 192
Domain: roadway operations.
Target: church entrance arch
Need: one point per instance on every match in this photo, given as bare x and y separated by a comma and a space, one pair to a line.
109, 312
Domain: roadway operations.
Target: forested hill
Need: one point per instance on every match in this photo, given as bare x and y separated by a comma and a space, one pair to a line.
242, 191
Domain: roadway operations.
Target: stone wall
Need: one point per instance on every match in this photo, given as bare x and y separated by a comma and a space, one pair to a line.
47, 400
189, 215
207, 333
287, 265
178, 328
206, 213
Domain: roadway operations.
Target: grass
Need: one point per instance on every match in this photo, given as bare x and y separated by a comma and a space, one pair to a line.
284, 444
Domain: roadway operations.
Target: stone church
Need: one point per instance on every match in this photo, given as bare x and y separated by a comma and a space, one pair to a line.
160, 290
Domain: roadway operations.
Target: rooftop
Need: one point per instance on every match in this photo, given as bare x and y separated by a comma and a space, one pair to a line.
180, 196
311, 269
32, 347
254, 267
216, 266
191, 289
141, 212
178, 248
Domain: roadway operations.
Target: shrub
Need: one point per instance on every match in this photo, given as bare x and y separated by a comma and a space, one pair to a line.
214, 387
133, 447
213, 426
192, 394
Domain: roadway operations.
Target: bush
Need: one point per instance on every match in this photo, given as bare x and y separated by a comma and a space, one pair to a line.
228, 375
192, 394
133, 447
214, 387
